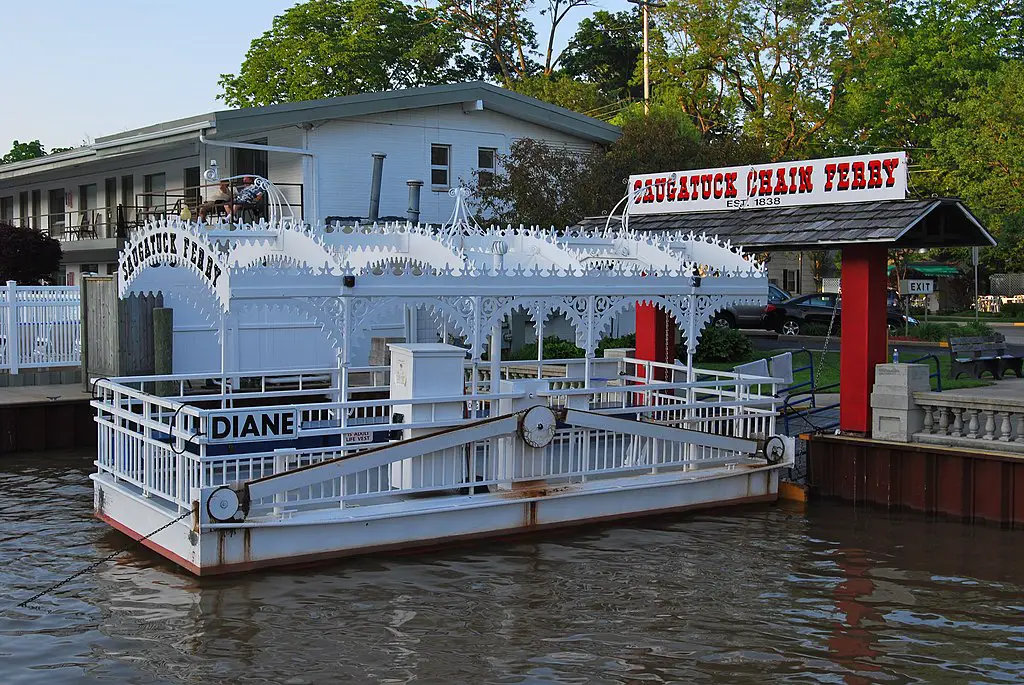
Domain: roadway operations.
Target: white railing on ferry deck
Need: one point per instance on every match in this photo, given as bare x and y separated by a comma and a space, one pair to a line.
40, 327
158, 445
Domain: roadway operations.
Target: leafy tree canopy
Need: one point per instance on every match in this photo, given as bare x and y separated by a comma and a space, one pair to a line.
605, 51
563, 91
326, 48
26, 255
22, 151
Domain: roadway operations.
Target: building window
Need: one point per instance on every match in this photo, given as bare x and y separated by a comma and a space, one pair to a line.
7, 209
440, 167
111, 268
193, 179
253, 162
791, 280
155, 189
23, 208
90, 270
56, 209
486, 164
87, 199
37, 209
128, 190
109, 203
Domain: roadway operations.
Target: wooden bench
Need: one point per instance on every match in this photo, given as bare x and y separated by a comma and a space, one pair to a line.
976, 355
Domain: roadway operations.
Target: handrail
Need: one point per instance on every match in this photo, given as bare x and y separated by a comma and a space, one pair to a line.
808, 383
814, 409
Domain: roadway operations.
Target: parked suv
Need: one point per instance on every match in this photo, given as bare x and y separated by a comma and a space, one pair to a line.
748, 315
789, 317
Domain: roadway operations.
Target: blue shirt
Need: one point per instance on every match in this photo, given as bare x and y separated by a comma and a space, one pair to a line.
247, 194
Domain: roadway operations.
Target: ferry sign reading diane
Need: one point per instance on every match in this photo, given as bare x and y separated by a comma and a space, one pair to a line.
862, 178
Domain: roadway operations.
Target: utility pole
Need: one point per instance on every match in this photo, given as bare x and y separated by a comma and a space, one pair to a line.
974, 258
645, 4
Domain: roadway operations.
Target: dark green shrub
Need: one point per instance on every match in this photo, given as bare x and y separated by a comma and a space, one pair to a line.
936, 332
974, 328
628, 340
554, 348
1012, 310
27, 256
723, 345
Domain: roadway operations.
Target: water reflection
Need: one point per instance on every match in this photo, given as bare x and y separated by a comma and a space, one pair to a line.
753, 596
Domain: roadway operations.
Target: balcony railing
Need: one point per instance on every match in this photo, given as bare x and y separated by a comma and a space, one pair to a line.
80, 224
172, 202
978, 422
115, 221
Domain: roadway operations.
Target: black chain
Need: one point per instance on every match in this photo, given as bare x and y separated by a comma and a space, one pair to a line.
824, 348
99, 563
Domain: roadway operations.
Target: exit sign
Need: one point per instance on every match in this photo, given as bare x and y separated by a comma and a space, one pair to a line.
908, 287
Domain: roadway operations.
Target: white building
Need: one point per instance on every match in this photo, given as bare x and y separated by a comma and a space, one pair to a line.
319, 153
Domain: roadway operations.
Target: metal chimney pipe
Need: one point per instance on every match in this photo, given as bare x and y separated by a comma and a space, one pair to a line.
414, 200
378, 171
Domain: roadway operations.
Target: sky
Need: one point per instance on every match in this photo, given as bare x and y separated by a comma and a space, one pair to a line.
74, 70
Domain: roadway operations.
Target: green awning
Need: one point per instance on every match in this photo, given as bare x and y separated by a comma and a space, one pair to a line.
931, 269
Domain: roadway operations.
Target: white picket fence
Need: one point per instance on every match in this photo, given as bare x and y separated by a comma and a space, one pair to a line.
40, 327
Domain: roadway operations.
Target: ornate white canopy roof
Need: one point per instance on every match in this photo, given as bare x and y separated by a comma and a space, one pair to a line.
471, 277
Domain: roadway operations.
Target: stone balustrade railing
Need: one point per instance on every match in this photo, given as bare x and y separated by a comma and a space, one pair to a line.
957, 420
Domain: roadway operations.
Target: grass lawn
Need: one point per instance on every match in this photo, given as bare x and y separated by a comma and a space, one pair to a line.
830, 373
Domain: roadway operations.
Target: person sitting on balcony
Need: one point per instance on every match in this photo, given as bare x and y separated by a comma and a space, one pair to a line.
248, 197
216, 199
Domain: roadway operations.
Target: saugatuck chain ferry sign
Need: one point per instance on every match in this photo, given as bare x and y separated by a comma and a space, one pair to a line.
835, 180
173, 245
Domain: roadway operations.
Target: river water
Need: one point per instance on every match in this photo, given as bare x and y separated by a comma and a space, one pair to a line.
835, 594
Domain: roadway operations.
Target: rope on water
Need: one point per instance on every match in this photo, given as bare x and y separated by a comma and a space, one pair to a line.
95, 565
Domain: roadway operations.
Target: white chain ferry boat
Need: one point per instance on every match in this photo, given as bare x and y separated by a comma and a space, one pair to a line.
240, 469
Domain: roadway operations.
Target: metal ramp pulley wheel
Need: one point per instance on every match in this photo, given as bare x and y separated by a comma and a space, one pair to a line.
537, 426
224, 505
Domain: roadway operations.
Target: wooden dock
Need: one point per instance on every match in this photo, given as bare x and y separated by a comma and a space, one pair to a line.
969, 467
35, 418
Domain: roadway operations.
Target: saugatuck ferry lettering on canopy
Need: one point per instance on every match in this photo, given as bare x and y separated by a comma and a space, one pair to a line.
172, 248
818, 181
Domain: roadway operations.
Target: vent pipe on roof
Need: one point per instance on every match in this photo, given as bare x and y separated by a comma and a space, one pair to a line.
378, 171
414, 200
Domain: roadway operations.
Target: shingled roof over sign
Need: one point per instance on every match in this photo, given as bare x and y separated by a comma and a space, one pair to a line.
935, 222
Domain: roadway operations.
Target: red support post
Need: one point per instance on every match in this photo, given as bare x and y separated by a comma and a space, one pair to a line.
864, 334
655, 337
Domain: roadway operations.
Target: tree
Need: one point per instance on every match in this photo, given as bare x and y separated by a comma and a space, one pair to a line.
551, 186
564, 91
981, 155
27, 256
983, 147
777, 69
536, 184
498, 30
922, 61
327, 48
605, 52
22, 151
666, 139
556, 12
821, 266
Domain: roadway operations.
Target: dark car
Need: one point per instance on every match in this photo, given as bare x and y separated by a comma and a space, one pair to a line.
793, 316
748, 315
